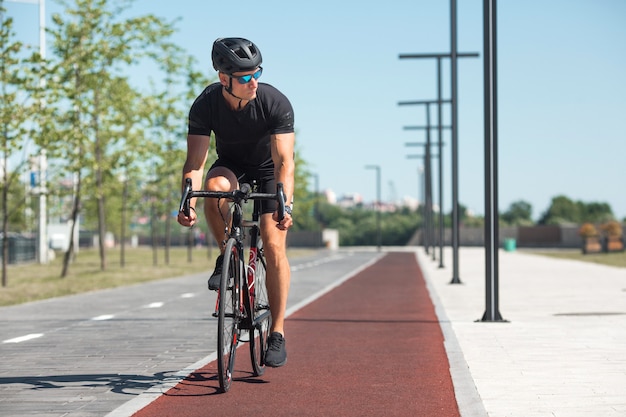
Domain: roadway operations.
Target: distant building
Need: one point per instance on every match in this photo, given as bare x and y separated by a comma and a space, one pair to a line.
355, 200
350, 200
331, 197
410, 202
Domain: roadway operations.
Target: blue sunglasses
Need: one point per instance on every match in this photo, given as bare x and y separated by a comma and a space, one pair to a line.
245, 79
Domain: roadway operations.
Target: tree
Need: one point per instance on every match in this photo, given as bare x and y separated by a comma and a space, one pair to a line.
596, 212
305, 202
466, 219
561, 211
19, 85
518, 214
168, 128
94, 108
358, 226
565, 211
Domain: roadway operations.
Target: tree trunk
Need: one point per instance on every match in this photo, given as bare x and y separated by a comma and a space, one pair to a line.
99, 156
168, 239
69, 254
5, 226
153, 230
101, 225
190, 244
123, 231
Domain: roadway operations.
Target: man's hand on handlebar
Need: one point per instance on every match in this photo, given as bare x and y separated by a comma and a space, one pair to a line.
185, 220
285, 223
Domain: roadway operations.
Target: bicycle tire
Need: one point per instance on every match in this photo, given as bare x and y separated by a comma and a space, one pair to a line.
261, 314
228, 315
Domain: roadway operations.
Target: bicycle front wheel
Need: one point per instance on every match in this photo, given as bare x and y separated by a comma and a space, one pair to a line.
261, 314
228, 315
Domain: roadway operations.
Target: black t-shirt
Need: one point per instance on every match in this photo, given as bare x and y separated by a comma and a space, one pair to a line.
242, 137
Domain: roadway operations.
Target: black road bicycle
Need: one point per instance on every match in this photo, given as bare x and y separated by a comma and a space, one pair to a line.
242, 302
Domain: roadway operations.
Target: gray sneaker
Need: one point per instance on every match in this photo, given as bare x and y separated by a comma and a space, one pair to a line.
276, 354
216, 278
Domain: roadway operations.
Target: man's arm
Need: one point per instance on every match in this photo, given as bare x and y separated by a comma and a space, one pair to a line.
197, 152
284, 165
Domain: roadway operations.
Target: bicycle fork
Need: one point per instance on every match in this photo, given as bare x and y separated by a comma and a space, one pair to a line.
236, 287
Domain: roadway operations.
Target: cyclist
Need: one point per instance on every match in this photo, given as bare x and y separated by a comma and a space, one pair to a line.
253, 124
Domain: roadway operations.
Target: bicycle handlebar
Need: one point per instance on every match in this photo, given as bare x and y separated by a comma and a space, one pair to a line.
243, 194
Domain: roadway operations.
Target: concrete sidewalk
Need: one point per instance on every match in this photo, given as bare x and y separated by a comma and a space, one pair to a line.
561, 351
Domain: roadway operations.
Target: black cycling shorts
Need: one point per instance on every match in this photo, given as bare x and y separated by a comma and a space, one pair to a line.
266, 183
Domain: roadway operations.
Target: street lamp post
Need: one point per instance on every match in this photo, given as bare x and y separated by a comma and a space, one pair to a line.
453, 55
426, 181
440, 145
440, 223
378, 226
492, 311
428, 169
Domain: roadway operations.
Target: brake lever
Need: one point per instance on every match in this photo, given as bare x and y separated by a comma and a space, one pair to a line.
185, 201
280, 197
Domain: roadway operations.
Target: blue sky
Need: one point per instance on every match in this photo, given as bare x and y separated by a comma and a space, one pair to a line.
561, 89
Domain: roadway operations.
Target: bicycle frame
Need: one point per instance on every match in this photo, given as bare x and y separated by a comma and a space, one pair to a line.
247, 319
252, 264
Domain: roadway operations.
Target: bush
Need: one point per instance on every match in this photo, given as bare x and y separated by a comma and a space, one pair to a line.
612, 229
588, 230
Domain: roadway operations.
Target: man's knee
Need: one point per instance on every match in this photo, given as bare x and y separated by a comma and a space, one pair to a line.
221, 179
220, 183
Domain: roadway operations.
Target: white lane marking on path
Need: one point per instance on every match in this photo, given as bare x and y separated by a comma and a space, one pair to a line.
316, 262
158, 304
23, 338
103, 317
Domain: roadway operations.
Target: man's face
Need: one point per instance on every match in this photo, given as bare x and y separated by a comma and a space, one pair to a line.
244, 84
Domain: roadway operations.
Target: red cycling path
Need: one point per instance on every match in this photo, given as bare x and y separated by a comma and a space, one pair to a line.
372, 346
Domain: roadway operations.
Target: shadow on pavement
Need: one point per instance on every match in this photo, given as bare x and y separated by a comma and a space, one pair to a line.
127, 384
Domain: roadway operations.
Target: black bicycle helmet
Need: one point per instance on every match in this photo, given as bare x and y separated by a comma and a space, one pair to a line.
232, 55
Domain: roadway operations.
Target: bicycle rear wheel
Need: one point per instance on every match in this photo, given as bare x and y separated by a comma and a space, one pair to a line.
261, 314
228, 315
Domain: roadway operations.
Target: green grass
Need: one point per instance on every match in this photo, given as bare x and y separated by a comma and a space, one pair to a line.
617, 259
33, 282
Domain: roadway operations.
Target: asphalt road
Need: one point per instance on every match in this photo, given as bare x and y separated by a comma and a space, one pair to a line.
87, 355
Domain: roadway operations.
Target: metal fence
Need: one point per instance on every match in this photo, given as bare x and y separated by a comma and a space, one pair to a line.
22, 249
